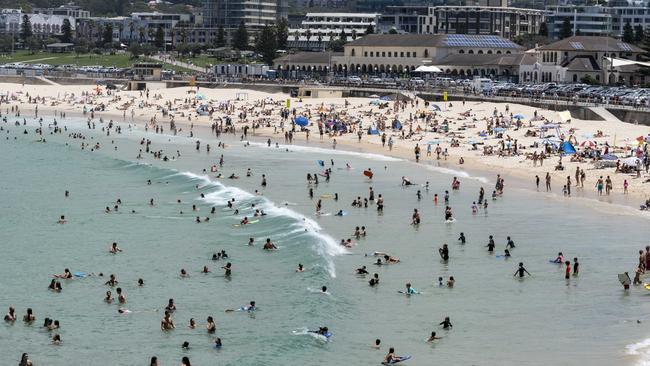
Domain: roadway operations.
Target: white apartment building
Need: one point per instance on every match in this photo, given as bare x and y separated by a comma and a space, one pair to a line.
318, 29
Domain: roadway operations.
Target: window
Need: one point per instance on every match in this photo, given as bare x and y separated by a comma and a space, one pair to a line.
365, 54
383, 54
401, 54
390, 54
353, 53
408, 54
426, 53
372, 54
415, 54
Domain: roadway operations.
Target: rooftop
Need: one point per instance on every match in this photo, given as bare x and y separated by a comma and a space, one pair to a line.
591, 44
434, 40
308, 57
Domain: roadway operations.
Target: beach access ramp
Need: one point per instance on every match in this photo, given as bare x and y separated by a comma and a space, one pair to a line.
605, 114
46, 80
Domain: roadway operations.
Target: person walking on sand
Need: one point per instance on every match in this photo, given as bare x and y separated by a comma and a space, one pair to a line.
548, 182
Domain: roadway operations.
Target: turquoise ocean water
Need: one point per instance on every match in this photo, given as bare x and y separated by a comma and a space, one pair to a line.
498, 320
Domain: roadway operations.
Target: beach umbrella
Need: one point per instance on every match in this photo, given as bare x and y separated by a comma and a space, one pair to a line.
199, 96
518, 116
302, 121
434, 107
588, 143
610, 157
498, 129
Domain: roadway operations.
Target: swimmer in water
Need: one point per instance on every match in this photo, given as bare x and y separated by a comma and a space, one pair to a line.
248, 308
377, 344
269, 245
62, 220
227, 269
446, 324
433, 337
461, 238
391, 357
114, 249
300, 268
362, 271
521, 271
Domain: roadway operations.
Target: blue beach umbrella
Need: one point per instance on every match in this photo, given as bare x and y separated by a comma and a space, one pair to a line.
519, 116
499, 129
302, 121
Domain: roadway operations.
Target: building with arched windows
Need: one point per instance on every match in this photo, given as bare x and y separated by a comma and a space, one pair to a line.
574, 59
399, 53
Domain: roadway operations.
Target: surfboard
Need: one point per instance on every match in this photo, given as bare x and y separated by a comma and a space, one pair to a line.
325, 196
452, 220
624, 279
80, 274
368, 173
249, 223
402, 359
647, 286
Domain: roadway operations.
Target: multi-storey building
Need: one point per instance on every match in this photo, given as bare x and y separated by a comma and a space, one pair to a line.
487, 20
43, 25
318, 29
255, 14
69, 10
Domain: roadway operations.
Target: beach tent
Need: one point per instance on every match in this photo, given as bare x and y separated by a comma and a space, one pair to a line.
564, 116
202, 110
397, 125
434, 107
302, 121
631, 161
567, 148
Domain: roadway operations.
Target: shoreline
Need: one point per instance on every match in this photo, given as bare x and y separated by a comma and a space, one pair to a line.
511, 168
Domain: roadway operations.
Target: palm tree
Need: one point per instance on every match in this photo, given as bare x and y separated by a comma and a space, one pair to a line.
183, 35
320, 40
142, 33
308, 35
354, 34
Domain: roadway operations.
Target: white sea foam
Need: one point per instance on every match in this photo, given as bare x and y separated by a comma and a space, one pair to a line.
454, 172
642, 350
324, 245
320, 150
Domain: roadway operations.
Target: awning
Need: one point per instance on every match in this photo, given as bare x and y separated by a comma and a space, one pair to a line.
617, 62
427, 69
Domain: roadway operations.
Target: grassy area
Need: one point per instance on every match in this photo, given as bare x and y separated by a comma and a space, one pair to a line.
204, 60
89, 59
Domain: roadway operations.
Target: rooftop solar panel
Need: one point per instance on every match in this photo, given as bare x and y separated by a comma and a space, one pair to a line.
624, 46
577, 45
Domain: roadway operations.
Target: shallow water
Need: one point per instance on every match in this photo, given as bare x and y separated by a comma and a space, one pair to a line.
498, 320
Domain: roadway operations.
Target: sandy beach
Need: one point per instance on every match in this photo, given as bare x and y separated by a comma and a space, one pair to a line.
463, 130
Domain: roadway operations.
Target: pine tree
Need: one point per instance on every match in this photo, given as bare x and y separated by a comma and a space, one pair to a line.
543, 29
370, 29
107, 37
566, 31
160, 37
628, 33
266, 44
240, 40
66, 31
221, 37
26, 28
282, 33
639, 34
